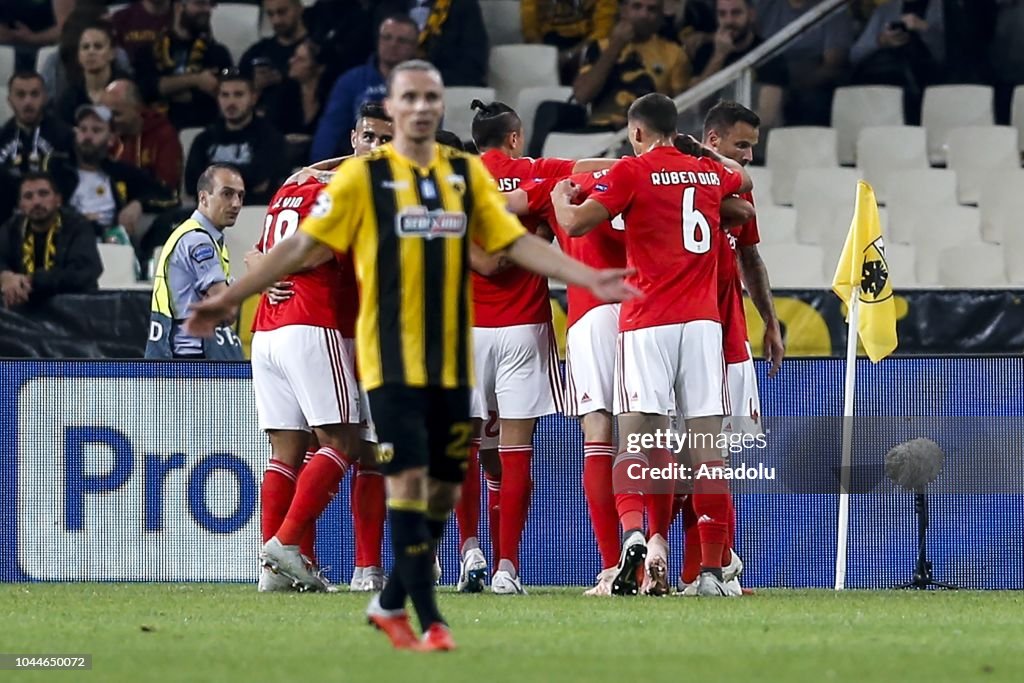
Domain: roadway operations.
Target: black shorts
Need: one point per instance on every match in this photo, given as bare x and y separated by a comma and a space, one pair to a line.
422, 427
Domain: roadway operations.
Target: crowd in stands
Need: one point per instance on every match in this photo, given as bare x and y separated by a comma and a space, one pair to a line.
103, 112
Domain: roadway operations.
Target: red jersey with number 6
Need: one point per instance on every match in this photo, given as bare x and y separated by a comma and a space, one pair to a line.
326, 296
671, 204
602, 247
515, 296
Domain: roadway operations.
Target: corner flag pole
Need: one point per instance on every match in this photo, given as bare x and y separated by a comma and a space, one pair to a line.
847, 458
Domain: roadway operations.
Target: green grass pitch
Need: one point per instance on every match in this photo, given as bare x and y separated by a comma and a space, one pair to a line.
224, 633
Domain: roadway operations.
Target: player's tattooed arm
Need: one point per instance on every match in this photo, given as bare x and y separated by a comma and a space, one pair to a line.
755, 278
486, 264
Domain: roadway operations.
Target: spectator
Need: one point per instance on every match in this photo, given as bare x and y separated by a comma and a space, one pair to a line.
1007, 55
903, 44
633, 62
63, 62
138, 25
735, 37
344, 31
816, 61
29, 24
181, 71
396, 42
567, 25
144, 137
45, 250
452, 37
268, 59
110, 194
295, 106
689, 22
29, 138
94, 69
240, 139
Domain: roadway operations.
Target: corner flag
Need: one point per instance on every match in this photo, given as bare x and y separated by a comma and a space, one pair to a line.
863, 273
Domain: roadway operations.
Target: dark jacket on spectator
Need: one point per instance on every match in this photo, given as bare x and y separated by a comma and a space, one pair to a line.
258, 150
157, 150
345, 32
75, 95
76, 264
354, 88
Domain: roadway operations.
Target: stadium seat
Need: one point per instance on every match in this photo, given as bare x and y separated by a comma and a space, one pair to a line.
236, 26
902, 262
1013, 250
776, 224
503, 21
44, 54
882, 150
1002, 204
118, 266
529, 99
6, 63
243, 236
913, 190
762, 179
577, 145
1017, 116
458, 117
5, 106
951, 106
818, 197
833, 240
794, 265
514, 67
936, 228
794, 148
856, 108
976, 265
975, 151
186, 136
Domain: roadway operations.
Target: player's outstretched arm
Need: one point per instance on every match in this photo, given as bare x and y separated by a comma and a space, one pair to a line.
755, 279
533, 253
518, 202
576, 219
592, 165
288, 256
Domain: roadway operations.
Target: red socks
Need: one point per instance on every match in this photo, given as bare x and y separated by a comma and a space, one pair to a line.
307, 546
368, 513
711, 504
494, 517
276, 493
660, 494
317, 484
467, 510
515, 499
597, 485
629, 498
730, 538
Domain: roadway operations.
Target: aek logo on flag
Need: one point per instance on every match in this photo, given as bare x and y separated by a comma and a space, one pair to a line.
874, 274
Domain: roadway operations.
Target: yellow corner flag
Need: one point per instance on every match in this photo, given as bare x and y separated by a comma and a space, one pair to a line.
862, 268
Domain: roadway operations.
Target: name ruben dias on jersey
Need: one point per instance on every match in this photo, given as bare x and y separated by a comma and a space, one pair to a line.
684, 178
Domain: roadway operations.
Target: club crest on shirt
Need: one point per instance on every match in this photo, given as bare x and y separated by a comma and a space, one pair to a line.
457, 182
417, 221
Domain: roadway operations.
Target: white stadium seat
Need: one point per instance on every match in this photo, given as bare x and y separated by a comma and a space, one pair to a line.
530, 98
946, 107
902, 262
762, 179
1002, 204
1017, 117
44, 54
5, 106
514, 67
794, 148
577, 145
118, 266
236, 26
912, 191
936, 228
975, 151
833, 240
243, 236
6, 63
458, 117
503, 21
776, 224
794, 265
977, 265
856, 108
881, 150
819, 196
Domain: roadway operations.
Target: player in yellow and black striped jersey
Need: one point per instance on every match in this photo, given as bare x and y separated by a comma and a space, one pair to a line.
408, 212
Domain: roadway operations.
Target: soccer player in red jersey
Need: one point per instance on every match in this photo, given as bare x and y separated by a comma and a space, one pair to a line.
669, 357
516, 359
304, 378
732, 130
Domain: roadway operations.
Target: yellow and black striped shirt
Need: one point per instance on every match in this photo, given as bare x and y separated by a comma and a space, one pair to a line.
409, 230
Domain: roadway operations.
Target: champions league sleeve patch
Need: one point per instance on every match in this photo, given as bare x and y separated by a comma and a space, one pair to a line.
323, 204
202, 252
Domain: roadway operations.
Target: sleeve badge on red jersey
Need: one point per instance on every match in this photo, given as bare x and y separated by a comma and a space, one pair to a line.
322, 207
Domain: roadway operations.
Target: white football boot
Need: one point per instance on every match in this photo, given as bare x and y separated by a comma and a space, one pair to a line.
472, 572
656, 566
357, 584
287, 560
273, 583
505, 583
709, 585
634, 552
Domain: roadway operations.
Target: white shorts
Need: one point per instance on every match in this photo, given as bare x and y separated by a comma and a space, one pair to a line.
741, 380
590, 361
674, 369
304, 377
517, 371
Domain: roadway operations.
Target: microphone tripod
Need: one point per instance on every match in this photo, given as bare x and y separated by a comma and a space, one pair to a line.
923, 571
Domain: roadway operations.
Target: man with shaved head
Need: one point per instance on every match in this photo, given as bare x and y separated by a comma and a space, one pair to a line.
145, 137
